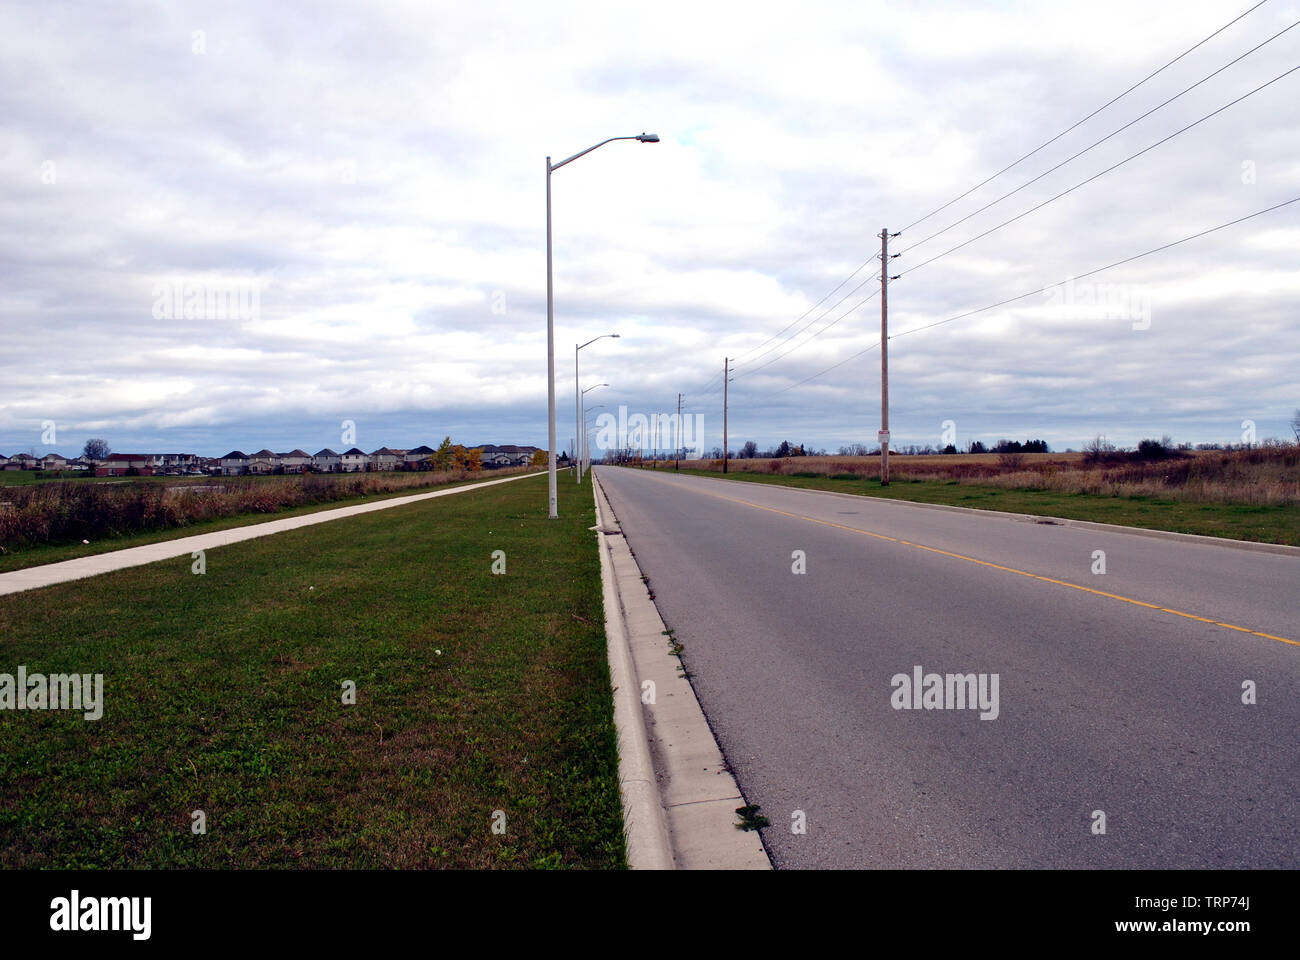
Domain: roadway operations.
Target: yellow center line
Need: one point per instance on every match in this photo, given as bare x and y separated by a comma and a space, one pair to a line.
998, 566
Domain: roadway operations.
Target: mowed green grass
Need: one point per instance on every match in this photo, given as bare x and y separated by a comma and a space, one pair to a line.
1236, 521
223, 693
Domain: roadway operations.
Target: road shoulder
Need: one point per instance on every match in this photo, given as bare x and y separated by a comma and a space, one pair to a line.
679, 796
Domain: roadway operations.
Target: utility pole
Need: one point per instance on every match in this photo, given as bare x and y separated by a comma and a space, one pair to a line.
726, 374
883, 436
552, 497
677, 454
656, 456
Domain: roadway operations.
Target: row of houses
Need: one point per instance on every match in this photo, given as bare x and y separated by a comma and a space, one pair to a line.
51, 461
356, 460
114, 465
237, 463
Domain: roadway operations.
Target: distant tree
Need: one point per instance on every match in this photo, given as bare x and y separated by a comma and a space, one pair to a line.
783, 450
977, 447
1156, 449
96, 449
443, 458
1096, 449
950, 449
749, 451
474, 459
540, 458
1295, 425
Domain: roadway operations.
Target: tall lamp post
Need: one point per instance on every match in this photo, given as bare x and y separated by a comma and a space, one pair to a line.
550, 317
577, 399
582, 419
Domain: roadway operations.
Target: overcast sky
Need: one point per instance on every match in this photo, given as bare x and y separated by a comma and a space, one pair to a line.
364, 185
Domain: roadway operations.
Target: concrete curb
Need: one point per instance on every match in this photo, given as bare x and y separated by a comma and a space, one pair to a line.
694, 790
1190, 538
644, 825
31, 578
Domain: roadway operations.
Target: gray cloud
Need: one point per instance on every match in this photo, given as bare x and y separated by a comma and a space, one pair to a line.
377, 176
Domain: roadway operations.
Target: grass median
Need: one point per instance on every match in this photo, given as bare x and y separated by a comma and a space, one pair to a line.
482, 700
1265, 523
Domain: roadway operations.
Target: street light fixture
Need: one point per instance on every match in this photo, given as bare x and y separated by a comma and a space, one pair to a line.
586, 433
582, 419
577, 400
550, 318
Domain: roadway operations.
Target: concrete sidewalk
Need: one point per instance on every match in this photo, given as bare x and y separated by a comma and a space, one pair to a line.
43, 576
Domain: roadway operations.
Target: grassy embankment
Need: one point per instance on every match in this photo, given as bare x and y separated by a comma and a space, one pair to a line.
222, 693
1242, 495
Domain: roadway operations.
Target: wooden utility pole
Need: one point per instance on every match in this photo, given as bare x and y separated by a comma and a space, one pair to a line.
883, 436
726, 374
677, 455
656, 456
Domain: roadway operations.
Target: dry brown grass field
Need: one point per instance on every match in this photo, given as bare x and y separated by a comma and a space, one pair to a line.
1261, 476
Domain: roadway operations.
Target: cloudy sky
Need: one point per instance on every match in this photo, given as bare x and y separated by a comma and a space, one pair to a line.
241, 224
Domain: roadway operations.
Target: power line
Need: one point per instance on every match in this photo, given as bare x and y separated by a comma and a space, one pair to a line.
1000, 303
855, 356
1109, 266
1096, 176
1102, 140
819, 332
1085, 119
809, 310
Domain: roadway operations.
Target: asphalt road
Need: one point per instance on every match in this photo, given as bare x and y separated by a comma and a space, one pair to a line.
1105, 702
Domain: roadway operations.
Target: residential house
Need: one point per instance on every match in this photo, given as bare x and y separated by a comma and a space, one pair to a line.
178, 462
325, 461
262, 462
293, 461
52, 461
354, 460
121, 464
385, 459
234, 463
415, 459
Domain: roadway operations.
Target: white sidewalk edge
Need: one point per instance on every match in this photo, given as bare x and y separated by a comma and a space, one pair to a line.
44, 575
680, 782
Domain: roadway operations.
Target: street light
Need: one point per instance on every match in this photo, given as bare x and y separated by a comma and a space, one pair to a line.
577, 400
550, 316
582, 419
586, 432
